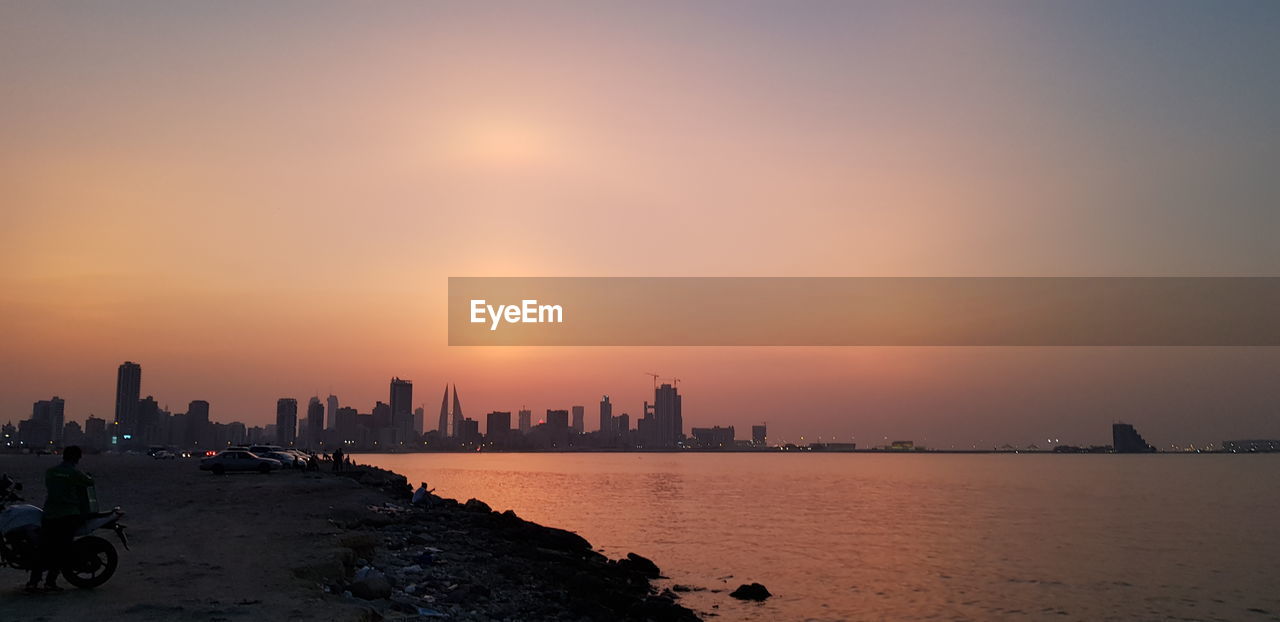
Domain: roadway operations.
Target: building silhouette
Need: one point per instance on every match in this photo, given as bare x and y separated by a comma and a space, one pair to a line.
579, 419
526, 420
662, 425
442, 428
606, 418
128, 388
498, 428
759, 436
315, 422
197, 420
286, 421
402, 409
713, 438
331, 412
457, 414
1126, 440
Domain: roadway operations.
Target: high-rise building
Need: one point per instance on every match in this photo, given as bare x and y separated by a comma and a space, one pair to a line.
46, 423
526, 420
759, 436
286, 421
443, 426
457, 412
498, 427
1126, 440
346, 424
663, 424
315, 422
606, 417
419, 419
198, 429
402, 408
468, 431
95, 433
331, 412
622, 424
557, 428
579, 424
381, 415
128, 387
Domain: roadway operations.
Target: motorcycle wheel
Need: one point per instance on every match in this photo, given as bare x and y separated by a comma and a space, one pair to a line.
90, 562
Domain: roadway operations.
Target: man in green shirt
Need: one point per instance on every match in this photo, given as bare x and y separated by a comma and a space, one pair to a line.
68, 502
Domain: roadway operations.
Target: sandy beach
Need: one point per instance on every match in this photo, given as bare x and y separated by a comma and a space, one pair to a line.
291, 545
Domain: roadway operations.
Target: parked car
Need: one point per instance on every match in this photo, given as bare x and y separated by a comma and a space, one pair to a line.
286, 458
164, 454
228, 461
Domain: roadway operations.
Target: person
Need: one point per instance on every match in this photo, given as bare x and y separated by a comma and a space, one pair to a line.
69, 500
422, 496
337, 459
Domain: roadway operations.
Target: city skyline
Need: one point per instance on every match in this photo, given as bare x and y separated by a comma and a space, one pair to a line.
660, 423
282, 218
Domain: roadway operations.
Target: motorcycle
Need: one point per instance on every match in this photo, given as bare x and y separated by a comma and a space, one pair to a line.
90, 560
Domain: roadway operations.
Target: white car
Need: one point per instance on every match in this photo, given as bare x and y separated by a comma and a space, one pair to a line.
286, 458
228, 461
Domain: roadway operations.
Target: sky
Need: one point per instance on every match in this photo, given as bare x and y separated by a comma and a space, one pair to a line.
264, 200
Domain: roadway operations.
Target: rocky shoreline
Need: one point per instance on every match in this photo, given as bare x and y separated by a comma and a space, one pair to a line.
464, 561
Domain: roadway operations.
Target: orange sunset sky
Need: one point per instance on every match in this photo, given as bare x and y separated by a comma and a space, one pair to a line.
256, 201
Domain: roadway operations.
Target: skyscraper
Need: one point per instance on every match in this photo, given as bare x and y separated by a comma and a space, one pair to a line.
579, 423
606, 417
443, 426
198, 423
128, 386
419, 419
331, 412
315, 422
498, 427
759, 435
286, 421
662, 424
402, 408
46, 422
457, 412
526, 420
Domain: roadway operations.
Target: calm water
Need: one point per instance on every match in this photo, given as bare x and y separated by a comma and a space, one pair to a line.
950, 537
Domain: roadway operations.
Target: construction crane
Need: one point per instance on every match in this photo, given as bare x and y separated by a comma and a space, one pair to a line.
655, 378
675, 381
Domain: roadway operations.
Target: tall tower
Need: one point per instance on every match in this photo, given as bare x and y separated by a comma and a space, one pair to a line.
315, 422
664, 425
457, 412
443, 426
526, 420
128, 385
579, 424
402, 407
331, 413
606, 417
286, 421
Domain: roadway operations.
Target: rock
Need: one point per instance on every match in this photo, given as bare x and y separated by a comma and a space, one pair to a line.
659, 608
641, 565
372, 585
476, 505
754, 591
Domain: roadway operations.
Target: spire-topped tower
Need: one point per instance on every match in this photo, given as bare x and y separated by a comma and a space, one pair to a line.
457, 411
443, 427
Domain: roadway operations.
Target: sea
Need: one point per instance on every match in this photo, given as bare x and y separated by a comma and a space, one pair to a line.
921, 536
